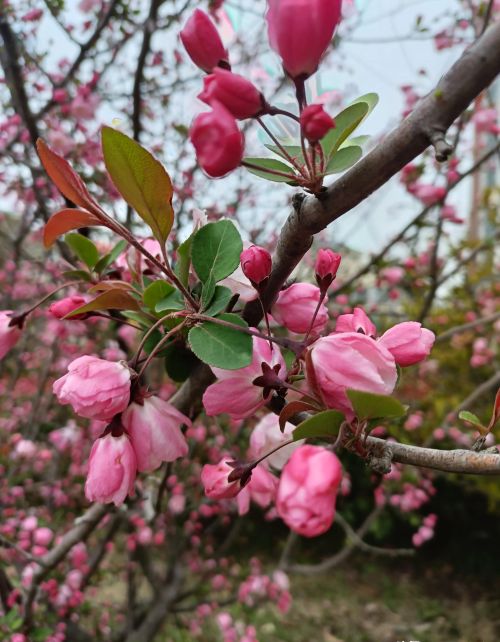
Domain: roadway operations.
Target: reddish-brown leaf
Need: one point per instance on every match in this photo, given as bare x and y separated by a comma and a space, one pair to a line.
292, 409
64, 177
104, 286
65, 221
495, 415
109, 300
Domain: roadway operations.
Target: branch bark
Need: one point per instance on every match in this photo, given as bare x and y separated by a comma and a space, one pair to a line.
468, 77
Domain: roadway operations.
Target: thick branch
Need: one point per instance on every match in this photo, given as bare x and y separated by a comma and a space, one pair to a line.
470, 75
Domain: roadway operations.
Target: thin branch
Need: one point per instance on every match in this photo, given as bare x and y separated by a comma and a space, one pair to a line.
467, 326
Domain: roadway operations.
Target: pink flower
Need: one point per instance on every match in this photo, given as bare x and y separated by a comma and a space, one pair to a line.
393, 275
308, 489
428, 194
95, 388
112, 470
300, 32
215, 480
326, 268
349, 360
295, 308
9, 335
218, 142
238, 95
202, 41
261, 489
408, 342
59, 309
358, 321
267, 435
256, 263
485, 120
315, 122
234, 392
154, 430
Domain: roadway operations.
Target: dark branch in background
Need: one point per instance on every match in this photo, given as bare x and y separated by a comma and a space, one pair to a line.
470, 75
467, 326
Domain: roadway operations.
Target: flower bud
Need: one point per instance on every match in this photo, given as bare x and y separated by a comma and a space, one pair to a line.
256, 263
218, 142
202, 42
315, 123
59, 309
215, 480
327, 265
238, 95
112, 470
408, 342
300, 32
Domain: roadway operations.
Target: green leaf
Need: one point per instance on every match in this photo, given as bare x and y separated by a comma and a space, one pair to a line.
215, 251
83, 247
324, 424
370, 99
222, 347
470, 418
77, 274
221, 298
179, 361
207, 292
360, 141
105, 261
272, 164
370, 406
140, 318
295, 151
343, 159
345, 123
141, 180
183, 253
171, 303
155, 292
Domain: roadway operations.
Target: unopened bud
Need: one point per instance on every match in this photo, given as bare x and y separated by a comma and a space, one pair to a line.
327, 265
256, 263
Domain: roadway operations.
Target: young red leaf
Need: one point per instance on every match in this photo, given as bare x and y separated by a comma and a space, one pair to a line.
65, 221
495, 415
64, 177
109, 300
141, 180
292, 409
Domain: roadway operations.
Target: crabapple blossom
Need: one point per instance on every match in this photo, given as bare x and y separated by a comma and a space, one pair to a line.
308, 489
214, 478
112, 470
238, 95
295, 308
59, 309
315, 122
256, 263
9, 334
327, 265
95, 388
357, 321
202, 41
234, 392
266, 436
408, 342
153, 427
345, 360
300, 32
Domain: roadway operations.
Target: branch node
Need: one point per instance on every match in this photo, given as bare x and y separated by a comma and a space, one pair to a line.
443, 149
379, 459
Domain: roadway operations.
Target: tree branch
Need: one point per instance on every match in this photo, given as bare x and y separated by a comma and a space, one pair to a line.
470, 75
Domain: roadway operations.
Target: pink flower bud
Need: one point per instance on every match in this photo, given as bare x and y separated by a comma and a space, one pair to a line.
215, 480
315, 123
238, 95
218, 142
349, 360
112, 470
95, 388
9, 335
202, 41
308, 489
43, 536
408, 342
59, 309
358, 321
327, 265
300, 32
154, 430
256, 263
295, 308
